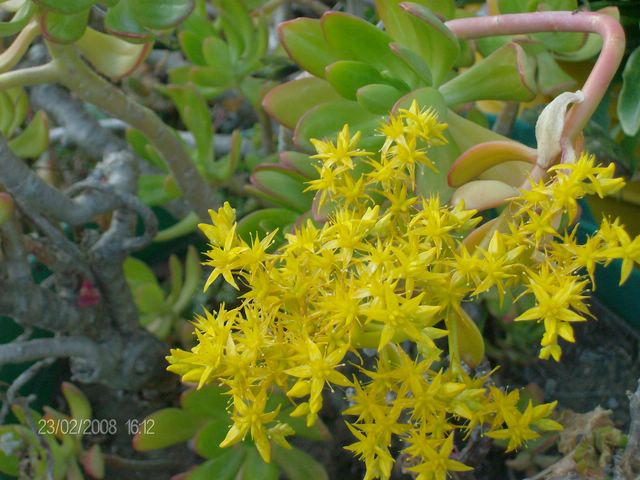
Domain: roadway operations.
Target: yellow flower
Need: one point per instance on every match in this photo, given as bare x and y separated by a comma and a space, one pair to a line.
436, 462
250, 417
388, 267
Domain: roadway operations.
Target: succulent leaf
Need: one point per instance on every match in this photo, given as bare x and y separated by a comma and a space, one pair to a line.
305, 43
288, 102
506, 74
483, 194
479, 158
437, 45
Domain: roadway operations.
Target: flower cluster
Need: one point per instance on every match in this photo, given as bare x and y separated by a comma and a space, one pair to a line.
390, 270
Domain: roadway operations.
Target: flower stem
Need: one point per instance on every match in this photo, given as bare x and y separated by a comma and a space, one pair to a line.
588, 22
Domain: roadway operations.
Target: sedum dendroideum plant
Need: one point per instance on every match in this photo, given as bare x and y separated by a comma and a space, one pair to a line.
390, 271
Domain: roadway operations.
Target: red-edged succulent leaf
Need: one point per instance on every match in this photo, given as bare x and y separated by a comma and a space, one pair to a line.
79, 406
63, 28
287, 103
110, 55
480, 158
353, 38
324, 121
305, 43
436, 44
506, 74
167, 427
483, 194
477, 235
93, 462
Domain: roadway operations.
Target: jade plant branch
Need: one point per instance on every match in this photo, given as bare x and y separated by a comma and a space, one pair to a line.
114, 349
589, 22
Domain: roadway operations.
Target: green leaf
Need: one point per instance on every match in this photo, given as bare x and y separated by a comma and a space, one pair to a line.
6, 113
152, 189
79, 406
437, 45
65, 6
300, 162
9, 464
281, 186
629, 99
513, 6
64, 28
552, 80
288, 102
209, 401
252, 58
176, 278
561, 42
592, 45
167, 427
443, 8
211, 77
19, 109
347, 76
144, 149
355, 39
256, 468
218, 57
207, 441
234, 14
110, 55
262, 222
191, 46
470, 341
194, 112
198, 22
224, 467
160, 14
18, 21
468, 134
506, 74
414, 61
298, 465
184, 226
137, 272
150, 299
222, 170
192, 276
34, 139
378, 99
305, 43
122, 22
327, 119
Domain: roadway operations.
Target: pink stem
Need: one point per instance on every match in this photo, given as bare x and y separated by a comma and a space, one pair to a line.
588, 22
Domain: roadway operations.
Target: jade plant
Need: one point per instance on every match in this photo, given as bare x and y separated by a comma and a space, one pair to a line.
396, 247
358, 73
26, 141
129, 30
